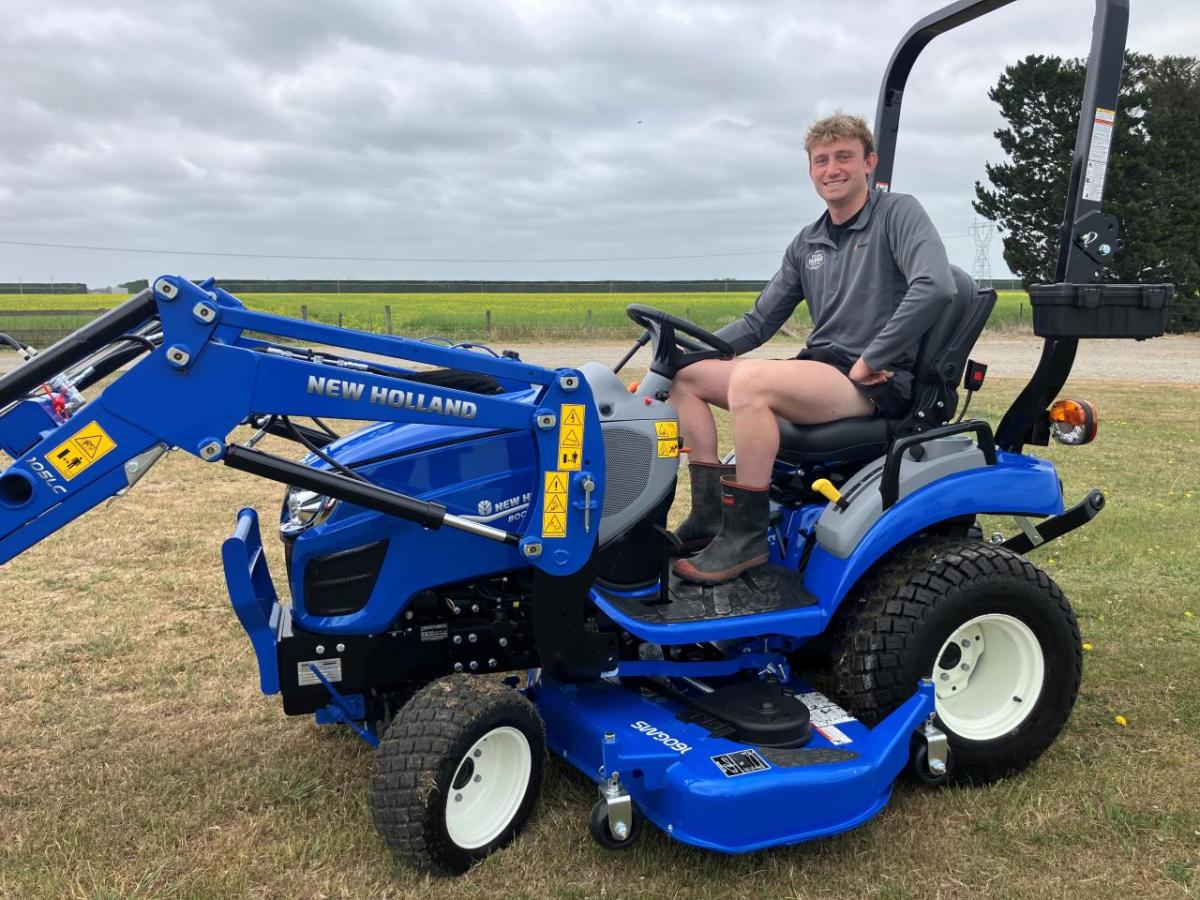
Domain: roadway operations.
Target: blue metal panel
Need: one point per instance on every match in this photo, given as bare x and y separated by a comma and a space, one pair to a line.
494, 468
25, 424
1016, 485
253, 595
803, 622
686, 794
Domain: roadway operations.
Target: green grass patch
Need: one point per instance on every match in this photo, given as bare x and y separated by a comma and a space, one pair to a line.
468, 316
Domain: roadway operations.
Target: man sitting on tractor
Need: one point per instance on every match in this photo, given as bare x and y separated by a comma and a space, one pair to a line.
876, 277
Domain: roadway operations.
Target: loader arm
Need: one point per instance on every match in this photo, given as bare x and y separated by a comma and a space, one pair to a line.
208, 375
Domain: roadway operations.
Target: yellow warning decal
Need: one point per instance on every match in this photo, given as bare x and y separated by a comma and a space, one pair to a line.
666, 430
554, 525
554, 508
570, 437
668, 448
74, 455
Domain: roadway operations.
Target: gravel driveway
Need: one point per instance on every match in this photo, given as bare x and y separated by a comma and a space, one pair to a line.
1171, 359
1167, 359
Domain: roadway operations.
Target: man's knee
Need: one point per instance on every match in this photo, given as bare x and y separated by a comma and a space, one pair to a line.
707, 380
750, 383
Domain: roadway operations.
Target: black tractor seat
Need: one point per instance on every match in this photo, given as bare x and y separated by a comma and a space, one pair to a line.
940, 361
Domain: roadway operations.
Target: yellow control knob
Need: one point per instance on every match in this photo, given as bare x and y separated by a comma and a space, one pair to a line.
825, 488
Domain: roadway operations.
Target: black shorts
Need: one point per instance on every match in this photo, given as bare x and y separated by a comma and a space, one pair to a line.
892, 398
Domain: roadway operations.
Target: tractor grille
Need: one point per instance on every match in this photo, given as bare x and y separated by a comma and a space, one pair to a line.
341, 582
628, 456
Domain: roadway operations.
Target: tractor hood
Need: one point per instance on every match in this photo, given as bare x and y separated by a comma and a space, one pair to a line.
384, 440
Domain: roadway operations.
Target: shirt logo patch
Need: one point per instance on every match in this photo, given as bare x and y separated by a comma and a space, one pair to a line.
860, 246
815, 260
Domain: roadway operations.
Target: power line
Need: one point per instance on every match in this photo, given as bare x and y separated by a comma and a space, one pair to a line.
407, 259
393, 259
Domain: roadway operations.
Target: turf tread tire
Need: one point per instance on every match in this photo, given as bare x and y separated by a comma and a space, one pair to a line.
419, 754
889, 619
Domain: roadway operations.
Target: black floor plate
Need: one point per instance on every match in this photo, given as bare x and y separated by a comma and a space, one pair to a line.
762, 590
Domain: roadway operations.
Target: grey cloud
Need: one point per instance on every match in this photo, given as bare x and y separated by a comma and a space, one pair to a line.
470, 129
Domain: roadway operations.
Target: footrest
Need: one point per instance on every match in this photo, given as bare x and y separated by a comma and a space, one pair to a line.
761, 590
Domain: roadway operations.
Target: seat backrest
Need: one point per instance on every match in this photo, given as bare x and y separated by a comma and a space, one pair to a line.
943, 354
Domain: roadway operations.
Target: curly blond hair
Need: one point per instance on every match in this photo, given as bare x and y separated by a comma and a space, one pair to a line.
839, 126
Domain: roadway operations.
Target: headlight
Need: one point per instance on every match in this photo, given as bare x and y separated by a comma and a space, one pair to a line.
303, 509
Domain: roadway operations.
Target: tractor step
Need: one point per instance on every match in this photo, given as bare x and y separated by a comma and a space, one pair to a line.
762, 590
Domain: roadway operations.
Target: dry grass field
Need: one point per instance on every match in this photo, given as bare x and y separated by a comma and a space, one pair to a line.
140, 759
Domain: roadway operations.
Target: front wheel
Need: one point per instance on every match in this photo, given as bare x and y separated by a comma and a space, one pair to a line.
994, 632
457, 773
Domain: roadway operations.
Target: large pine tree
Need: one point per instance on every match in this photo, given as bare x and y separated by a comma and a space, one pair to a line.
1154, 163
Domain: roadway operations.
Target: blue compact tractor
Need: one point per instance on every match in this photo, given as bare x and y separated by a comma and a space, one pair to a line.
504, 518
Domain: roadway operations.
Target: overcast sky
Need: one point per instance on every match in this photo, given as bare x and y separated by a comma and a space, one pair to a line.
480, 138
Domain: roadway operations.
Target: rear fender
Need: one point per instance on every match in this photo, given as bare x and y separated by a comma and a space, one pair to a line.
1016, 485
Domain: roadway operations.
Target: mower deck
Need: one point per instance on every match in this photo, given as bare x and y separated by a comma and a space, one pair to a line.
721, 794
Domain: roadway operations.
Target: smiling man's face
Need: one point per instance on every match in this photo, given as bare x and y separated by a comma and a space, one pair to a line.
839, 171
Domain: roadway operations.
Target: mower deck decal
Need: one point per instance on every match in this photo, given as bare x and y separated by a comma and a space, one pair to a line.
570, 437
74, 455
741, 762
554, 510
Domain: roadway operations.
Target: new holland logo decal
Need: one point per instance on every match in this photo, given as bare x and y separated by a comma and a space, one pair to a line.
418, 402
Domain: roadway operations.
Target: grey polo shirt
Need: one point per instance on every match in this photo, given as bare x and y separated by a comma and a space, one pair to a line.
873, 297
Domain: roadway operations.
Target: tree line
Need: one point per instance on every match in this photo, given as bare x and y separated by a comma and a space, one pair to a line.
1153, 171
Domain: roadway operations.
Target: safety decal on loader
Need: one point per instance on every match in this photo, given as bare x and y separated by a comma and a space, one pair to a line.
554, 508
668, 439
570, 437
74, 455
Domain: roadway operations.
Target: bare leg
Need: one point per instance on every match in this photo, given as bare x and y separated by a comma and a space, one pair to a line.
798, 390
695, 388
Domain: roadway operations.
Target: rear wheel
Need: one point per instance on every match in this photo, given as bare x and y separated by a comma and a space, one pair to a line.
994, 632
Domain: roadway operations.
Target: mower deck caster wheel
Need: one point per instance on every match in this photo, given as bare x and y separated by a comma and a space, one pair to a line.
918, 768
598, 826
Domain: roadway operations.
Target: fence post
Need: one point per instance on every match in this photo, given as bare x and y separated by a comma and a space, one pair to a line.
687, 313
387, 318
304, 311
589, 323
339, 318
487, 323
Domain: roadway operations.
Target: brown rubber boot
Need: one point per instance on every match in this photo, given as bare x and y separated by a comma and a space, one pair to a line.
741, 543
704, 521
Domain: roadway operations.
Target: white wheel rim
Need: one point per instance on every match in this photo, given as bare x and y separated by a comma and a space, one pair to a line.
988, 677
488, 786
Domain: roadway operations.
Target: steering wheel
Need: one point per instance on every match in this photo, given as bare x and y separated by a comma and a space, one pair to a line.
669, 333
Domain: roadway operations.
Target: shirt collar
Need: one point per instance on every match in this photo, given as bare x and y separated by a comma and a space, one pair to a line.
820, 228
